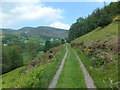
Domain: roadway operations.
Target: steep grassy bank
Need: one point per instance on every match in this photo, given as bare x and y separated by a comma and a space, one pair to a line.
38, 76
98, 50
71, 75
105, 76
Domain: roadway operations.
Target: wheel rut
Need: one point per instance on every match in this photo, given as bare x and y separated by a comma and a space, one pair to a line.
88, 80
55, 78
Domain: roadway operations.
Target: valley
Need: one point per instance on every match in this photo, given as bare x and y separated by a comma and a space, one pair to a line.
85, 56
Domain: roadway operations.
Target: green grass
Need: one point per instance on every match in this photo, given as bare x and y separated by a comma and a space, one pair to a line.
37, 77
104, 77
71, 75
26, 57
100, 33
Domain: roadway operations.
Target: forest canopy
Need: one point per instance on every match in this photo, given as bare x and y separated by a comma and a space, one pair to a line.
100, 17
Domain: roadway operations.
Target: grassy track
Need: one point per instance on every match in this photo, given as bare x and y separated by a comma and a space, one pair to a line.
105, 76
71, 75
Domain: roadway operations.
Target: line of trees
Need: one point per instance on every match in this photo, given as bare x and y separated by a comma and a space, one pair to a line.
51, 44
99, 18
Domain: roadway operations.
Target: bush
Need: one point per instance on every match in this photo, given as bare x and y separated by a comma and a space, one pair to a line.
11, 58
55, 43
47, 46
62, 41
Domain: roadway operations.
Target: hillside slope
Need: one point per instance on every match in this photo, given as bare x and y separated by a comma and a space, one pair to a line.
107, 36
42, 31
37, 73
98, 51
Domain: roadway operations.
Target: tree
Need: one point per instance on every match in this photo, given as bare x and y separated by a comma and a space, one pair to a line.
55, 43
11, 58
62, 41
32, 47
6, 62
47, 46
105, 18
15, 56
100, 17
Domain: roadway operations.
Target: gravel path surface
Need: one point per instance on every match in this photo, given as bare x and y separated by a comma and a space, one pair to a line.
88, 80
55, 78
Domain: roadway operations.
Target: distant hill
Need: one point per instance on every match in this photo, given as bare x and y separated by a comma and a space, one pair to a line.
42, 31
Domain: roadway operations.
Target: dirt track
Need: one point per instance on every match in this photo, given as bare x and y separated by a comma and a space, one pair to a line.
55, 78
88, 80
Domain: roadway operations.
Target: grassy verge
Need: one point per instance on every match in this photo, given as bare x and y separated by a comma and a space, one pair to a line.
36, 77
105, 76
71, 75
98, 50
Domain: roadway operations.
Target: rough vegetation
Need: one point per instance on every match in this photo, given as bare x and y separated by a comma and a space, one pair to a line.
99, 52
37, 74
95, 39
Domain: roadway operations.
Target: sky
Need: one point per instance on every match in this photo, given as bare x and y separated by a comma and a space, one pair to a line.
16, 15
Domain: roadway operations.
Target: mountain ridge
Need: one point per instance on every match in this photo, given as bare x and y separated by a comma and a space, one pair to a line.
40, 30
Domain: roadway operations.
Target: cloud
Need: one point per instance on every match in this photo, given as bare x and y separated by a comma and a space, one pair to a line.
60, 25
30, 12
15, 12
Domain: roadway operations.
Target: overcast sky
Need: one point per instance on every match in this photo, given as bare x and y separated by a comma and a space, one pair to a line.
16, 15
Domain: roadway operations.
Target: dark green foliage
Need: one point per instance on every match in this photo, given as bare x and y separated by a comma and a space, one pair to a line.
113, 9
47, 46
55, 43
67, 40
62, 41
11, 40
24, 35
6, 68
105, 20
99, 18
6, 62
13, 55
11, 58
51, 44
